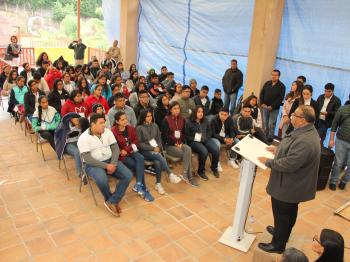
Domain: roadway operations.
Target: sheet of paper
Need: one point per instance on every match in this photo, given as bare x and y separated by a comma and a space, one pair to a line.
251, 148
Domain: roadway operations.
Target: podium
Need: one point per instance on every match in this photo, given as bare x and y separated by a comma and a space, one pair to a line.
250, 149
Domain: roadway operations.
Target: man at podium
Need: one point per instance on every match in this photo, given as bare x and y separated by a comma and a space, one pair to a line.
293, 178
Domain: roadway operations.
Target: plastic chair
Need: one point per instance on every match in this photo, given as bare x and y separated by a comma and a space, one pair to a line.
84, 179
63, 159
39, 141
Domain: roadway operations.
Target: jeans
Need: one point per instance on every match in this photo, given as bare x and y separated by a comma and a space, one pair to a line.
233, 154
230, 98
72, 150
203, 149
135, 162
269, 121
100, 176
322, 130
342, 158
49, 136
160, 163
185, 152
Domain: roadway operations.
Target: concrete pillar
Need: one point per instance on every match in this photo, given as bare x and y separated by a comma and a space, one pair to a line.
264, 40
128, 31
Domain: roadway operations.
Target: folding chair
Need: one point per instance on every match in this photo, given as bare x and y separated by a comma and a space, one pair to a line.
63, 159
84, 179
28, 128
39, 141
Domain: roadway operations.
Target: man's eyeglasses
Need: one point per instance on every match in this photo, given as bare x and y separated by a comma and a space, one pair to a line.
293, 114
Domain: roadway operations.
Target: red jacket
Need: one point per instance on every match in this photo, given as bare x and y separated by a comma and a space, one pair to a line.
91, 100
122, 141
52, 76
69, 106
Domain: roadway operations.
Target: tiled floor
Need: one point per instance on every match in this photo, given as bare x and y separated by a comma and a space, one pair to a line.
43, 217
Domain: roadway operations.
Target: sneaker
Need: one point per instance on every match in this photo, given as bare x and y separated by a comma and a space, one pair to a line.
184, 177
174, 178
233, 164
220, 167
203, 176
138, 188
342, 185
159, 189
150, 170
193, 182
112, 208
148, 197
216, 173
332, 187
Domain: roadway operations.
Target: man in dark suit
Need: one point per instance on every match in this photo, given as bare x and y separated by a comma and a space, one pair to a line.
328, 105
293, 179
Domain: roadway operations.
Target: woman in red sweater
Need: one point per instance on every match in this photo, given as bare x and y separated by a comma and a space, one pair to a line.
127, 141
75, 104
96, 98
52, 76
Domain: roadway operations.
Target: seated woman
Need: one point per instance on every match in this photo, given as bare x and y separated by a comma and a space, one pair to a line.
67, 135
45, 120
150, 146
31, 99
106, 90
67, 83
329, 246
84, 88
177, 94
133, 79
16, 101
75, 104
255, 111
96, 98
162, 110
9, 83
127, 141
58, 95
173, 136
198, 132
99, 109
52, 76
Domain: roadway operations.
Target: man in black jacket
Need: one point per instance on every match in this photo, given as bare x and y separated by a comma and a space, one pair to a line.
202, 99
27, 72
328, 105
232, 82
271, 97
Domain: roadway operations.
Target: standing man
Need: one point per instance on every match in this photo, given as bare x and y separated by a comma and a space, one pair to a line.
231, 82
79, 51
341, 125
293, 179
271, 97
114, 51
328, 105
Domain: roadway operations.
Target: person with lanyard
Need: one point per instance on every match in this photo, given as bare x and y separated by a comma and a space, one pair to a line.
99, 150
197, 133
58, 95
45, 120
31, 99
150, 145
173, 136
126, 137
16, 101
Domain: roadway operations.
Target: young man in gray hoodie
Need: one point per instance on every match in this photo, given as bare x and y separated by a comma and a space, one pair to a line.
119, 105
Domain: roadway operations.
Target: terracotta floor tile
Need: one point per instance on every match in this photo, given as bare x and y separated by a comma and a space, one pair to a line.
166, 202
112, 255
176, 231
135, 248
88, 230
157, 239
172, 253
194, 223
121, 234
16, 253
32, 231
192, 244
25, 219
150, 257
64, 237
9, 238
180, 212
209, 235
98, 243
52, 256
56, 224
3, 212
75, 251
46, 213
18, 207
39, 245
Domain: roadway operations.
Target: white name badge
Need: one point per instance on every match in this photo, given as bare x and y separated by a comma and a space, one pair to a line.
189, 111
62, 102
82, 114
153, 143
222, 134
198, 137
177, 134
15, 109
134, 147
43, 126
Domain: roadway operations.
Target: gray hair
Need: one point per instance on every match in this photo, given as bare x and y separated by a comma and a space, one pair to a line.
308, 113
293, 255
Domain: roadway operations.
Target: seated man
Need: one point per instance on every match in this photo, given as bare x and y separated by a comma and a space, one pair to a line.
120, 105
187, 105
143, 104
169, 84
202, 99
223, 133
244, 125
100, 151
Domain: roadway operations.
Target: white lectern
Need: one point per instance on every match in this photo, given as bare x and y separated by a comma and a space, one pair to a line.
250, 148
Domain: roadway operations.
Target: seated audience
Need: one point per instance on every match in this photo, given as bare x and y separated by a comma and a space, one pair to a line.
197, 133
216, 103
4, 75
194, 89
131, 82
169, 84
27, 72
16, 101
177, 94
100, 152
329, 246
43, 58
134, 96
187, 105
52, 75
75, 104
98, 109
118, 86
292, 255
127, 141
9, 83
120, 69
150, 146
162, 110
96, 98
106, 89
67, 83
244, 125
45, 120
143, 104
94, 68
173, 136
328, 105
58, 95
61, 61
87, 74
43, 70
83, 87
255, 111
163, 74
155, 88
150, 72
120, 105
223, 133
202, 99
31, 99
42, 85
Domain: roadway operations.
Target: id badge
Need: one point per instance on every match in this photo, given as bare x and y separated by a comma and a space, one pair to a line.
62, 102
82, 114
198, 137
190, 111
177, 134
153, 143
43, 126
15, 109
134, 147
222, 134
